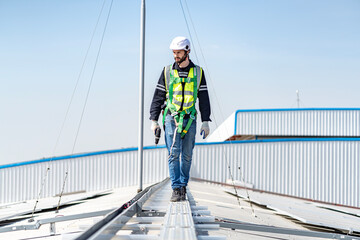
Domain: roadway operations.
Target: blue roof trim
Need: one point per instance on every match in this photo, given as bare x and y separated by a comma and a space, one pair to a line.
289, 109
163, 146
296, 109
283, 140
77, 156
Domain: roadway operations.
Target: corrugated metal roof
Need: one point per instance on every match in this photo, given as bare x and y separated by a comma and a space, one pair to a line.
265, 224
316, 169
81, 203
307, 212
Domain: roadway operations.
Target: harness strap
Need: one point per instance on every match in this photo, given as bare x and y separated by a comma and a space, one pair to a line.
192, 118
181, 121
165, 112
179, 117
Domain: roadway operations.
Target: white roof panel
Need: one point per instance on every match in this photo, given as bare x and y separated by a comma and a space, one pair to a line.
221, 205
304, 211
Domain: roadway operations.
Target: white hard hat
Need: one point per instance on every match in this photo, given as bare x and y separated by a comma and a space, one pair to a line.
180, 43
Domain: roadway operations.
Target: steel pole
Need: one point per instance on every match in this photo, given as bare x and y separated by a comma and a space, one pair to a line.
141, 95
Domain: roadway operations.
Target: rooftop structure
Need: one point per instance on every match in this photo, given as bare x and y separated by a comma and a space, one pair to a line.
317, 169
291, 186
251, 124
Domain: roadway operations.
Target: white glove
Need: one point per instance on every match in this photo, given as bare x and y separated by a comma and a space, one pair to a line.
154, 125
205, 129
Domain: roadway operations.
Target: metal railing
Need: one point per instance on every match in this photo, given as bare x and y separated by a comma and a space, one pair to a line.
325, 170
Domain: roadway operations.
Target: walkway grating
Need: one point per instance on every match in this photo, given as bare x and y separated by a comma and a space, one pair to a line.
153, 216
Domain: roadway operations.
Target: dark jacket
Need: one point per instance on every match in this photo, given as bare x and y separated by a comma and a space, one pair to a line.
159, 98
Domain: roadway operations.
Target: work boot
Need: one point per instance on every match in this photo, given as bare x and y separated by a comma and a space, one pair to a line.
176, 195
183, 193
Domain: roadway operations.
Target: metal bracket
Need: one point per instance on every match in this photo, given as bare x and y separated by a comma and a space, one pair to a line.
151, 214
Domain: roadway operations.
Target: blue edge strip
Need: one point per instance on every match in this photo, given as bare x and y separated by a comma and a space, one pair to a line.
290, 109
204, 143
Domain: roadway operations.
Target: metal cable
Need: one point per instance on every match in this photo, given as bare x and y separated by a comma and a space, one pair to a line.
218, 102
174, 139
187, 25
230, 172
66, 115
85, 103
41, 188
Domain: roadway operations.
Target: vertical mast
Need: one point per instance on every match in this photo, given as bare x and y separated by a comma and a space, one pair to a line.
141, 95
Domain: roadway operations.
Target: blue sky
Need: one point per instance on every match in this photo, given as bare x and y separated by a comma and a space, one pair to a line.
258, 53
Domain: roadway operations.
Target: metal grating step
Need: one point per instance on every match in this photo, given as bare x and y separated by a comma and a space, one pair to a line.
153, 216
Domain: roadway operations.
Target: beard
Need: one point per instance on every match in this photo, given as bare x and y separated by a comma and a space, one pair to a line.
180, 60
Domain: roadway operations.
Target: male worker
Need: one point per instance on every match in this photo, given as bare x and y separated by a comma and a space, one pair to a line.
179, 86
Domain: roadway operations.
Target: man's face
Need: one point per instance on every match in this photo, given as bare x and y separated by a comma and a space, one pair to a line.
179, 55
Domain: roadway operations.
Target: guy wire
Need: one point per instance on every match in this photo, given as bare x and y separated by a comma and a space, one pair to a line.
85, 103
66, 115
187, 25
229, 167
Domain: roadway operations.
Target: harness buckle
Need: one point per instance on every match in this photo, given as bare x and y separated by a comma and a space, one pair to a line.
192, 117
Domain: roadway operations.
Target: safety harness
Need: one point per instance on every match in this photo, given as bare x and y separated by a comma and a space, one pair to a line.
181, 96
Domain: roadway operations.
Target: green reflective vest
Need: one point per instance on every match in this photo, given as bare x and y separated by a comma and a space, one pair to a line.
182, 92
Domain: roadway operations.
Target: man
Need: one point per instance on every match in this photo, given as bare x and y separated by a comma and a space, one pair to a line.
179, 86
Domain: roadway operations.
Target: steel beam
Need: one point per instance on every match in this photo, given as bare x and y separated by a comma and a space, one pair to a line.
147, 219
117, 219
41, 222
211, 237
287, 231
135, 237
142, 227
201, 212
206, 219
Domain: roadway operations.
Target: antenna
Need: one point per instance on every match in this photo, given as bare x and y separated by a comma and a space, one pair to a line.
298, 98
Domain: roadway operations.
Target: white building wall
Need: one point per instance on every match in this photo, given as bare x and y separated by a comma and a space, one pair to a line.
321, 170
302, 122
318, 169
310, 122
86, 173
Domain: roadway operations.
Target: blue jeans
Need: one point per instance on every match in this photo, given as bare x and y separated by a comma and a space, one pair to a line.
179, 170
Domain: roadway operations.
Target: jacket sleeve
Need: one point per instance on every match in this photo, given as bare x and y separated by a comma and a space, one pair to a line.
204, 102
158, 98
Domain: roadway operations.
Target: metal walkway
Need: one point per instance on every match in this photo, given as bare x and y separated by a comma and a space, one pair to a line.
150, 215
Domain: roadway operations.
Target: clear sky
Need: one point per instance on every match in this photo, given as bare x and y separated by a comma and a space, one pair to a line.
258, 53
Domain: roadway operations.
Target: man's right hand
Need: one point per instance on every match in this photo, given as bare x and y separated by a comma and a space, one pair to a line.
154, 125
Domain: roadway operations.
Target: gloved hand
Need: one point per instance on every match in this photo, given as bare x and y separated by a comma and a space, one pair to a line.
205, 129
154, 125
